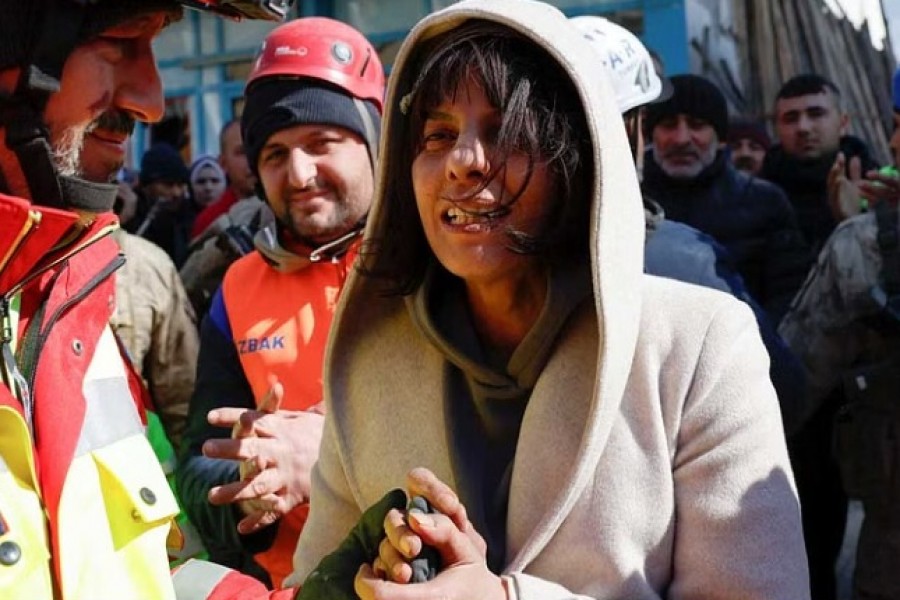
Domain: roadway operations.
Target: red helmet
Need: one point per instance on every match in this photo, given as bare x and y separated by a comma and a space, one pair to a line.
323, 49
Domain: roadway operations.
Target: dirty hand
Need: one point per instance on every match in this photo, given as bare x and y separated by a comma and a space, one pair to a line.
277, 449
843, 191
462, 550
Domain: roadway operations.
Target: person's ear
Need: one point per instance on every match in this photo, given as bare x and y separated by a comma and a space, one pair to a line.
845, 123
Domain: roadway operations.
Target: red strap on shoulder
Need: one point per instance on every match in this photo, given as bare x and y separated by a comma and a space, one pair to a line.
140, 393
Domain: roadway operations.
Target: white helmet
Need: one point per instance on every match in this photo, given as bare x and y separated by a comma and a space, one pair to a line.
627, 62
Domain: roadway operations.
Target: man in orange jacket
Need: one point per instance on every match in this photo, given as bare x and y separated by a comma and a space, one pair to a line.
310, 128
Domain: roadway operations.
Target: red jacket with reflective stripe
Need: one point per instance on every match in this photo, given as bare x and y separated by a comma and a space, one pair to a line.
89, 506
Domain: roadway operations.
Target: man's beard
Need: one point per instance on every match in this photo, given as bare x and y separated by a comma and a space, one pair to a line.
686, 171
67, 150
316, 229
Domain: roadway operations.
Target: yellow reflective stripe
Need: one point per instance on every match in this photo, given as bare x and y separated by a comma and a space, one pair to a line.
197, 579
23, 531
15, 447
113, 518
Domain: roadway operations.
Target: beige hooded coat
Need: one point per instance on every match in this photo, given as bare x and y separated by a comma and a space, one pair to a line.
651, 459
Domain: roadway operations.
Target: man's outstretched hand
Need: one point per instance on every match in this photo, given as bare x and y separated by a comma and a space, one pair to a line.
277, 449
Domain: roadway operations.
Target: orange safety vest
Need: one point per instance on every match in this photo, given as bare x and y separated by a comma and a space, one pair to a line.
279, 323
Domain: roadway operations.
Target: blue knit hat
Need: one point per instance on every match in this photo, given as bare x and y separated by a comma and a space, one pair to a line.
163, 163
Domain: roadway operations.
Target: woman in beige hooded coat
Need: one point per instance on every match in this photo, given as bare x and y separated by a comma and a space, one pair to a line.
588, 430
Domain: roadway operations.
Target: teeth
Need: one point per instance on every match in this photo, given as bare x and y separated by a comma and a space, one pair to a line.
458, 216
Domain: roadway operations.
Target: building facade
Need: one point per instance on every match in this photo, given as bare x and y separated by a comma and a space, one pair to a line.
204, 60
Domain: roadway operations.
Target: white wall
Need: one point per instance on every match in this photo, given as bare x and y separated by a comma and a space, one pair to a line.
892, 16
871, 10
714, 51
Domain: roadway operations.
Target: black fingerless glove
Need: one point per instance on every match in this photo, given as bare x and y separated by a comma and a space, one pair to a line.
333, 577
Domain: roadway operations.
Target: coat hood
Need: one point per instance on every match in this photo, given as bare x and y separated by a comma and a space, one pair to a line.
616, 231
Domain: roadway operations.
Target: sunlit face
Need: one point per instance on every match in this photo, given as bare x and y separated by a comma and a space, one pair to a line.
684, 145
107, 84
207, 185
811, 126
747, 155
468, 235
233, 159
318, 180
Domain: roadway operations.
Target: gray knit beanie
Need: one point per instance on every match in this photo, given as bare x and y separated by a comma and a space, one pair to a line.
275, 104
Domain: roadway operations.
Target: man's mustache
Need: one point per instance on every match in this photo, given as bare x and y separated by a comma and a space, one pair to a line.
114, 121
689, 151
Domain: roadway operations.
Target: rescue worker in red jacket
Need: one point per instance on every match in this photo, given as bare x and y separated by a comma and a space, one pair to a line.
310, 128
84, 506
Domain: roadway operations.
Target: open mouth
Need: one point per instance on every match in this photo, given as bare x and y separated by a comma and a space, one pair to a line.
471, 220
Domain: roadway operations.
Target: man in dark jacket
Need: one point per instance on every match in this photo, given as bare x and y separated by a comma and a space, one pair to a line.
165, 210
811, 129
688, 173
845, 328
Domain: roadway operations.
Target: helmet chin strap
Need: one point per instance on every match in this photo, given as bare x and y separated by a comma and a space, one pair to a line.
22, 115
27, 136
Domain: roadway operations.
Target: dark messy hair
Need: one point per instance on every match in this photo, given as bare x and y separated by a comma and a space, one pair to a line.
541, 118
806, 84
